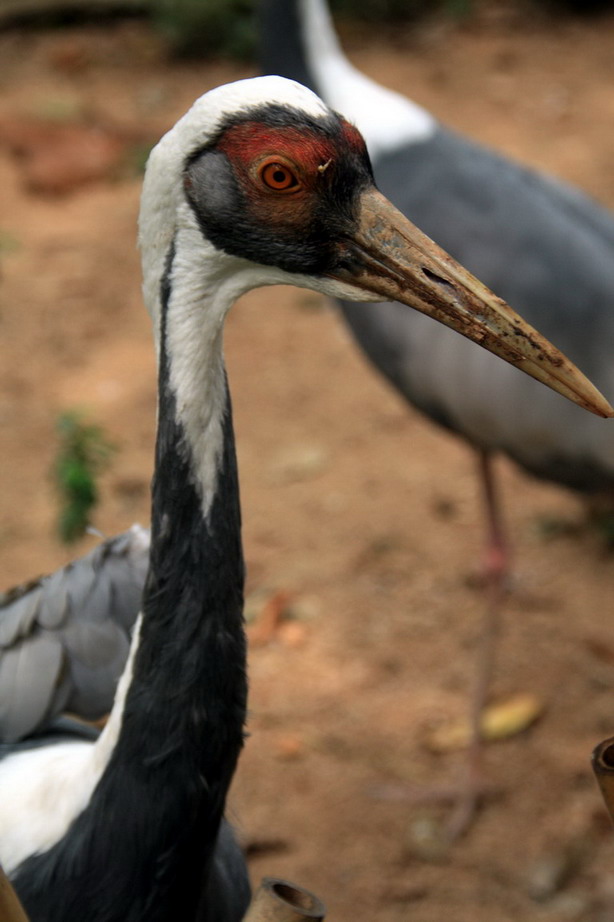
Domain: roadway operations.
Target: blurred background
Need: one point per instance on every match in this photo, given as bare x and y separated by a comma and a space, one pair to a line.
362, 524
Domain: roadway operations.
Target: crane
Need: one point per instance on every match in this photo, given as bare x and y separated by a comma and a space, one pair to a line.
64, 638
541, 244
258, 184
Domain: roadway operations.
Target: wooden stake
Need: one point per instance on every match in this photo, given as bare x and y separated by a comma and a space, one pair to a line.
603, 767
11, 909
280, 901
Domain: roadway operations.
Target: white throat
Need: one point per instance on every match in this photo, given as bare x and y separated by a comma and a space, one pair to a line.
386, 119
203, 287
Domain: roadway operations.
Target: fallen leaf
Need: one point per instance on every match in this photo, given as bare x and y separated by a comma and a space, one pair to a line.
499, 722
510, 717
267, 622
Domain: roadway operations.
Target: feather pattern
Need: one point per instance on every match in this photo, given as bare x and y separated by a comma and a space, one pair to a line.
64, 638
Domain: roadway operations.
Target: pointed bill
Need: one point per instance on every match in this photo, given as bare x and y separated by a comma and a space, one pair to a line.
389, 257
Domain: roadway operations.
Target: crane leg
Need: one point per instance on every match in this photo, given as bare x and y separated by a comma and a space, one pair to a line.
496, 567
496, 573
468, 791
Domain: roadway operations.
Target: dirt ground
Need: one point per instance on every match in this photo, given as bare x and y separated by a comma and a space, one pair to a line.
361, 514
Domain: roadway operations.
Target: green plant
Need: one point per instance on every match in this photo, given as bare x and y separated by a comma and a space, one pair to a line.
83, 454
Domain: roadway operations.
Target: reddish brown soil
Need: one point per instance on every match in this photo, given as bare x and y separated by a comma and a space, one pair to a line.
363, 512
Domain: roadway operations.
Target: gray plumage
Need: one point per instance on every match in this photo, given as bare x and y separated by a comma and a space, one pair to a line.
64, 638
547, 250
540, 244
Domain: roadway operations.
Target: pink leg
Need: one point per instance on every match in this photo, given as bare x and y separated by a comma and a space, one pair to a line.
496, 573
497, 555
470, 788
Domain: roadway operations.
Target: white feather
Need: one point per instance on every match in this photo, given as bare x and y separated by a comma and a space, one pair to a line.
44, 790
386, 119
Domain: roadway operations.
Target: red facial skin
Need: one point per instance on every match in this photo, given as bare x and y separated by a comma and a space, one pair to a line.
251, 141
306, 156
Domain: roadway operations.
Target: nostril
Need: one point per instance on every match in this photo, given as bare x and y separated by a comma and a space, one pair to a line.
443, 283
449, 288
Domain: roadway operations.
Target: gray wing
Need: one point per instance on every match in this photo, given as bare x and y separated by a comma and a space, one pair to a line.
64, 638
540, 244
547, 250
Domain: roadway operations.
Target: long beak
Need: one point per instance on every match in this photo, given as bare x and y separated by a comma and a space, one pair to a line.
389, 257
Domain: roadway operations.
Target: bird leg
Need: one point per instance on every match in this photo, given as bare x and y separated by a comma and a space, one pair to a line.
496, 572
496, 567
470, 788
467, 793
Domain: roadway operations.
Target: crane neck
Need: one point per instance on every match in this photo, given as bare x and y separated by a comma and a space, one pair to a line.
185, 709
298, 40
178, 733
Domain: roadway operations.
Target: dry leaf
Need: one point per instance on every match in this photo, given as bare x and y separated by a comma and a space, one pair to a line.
268, 620
499, 721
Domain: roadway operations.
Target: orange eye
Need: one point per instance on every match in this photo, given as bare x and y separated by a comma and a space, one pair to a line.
278, 176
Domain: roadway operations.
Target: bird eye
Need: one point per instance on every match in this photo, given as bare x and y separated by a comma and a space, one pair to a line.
278, 176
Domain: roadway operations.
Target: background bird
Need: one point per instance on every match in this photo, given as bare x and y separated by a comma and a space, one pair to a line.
542, 245
64, 638
258, 183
